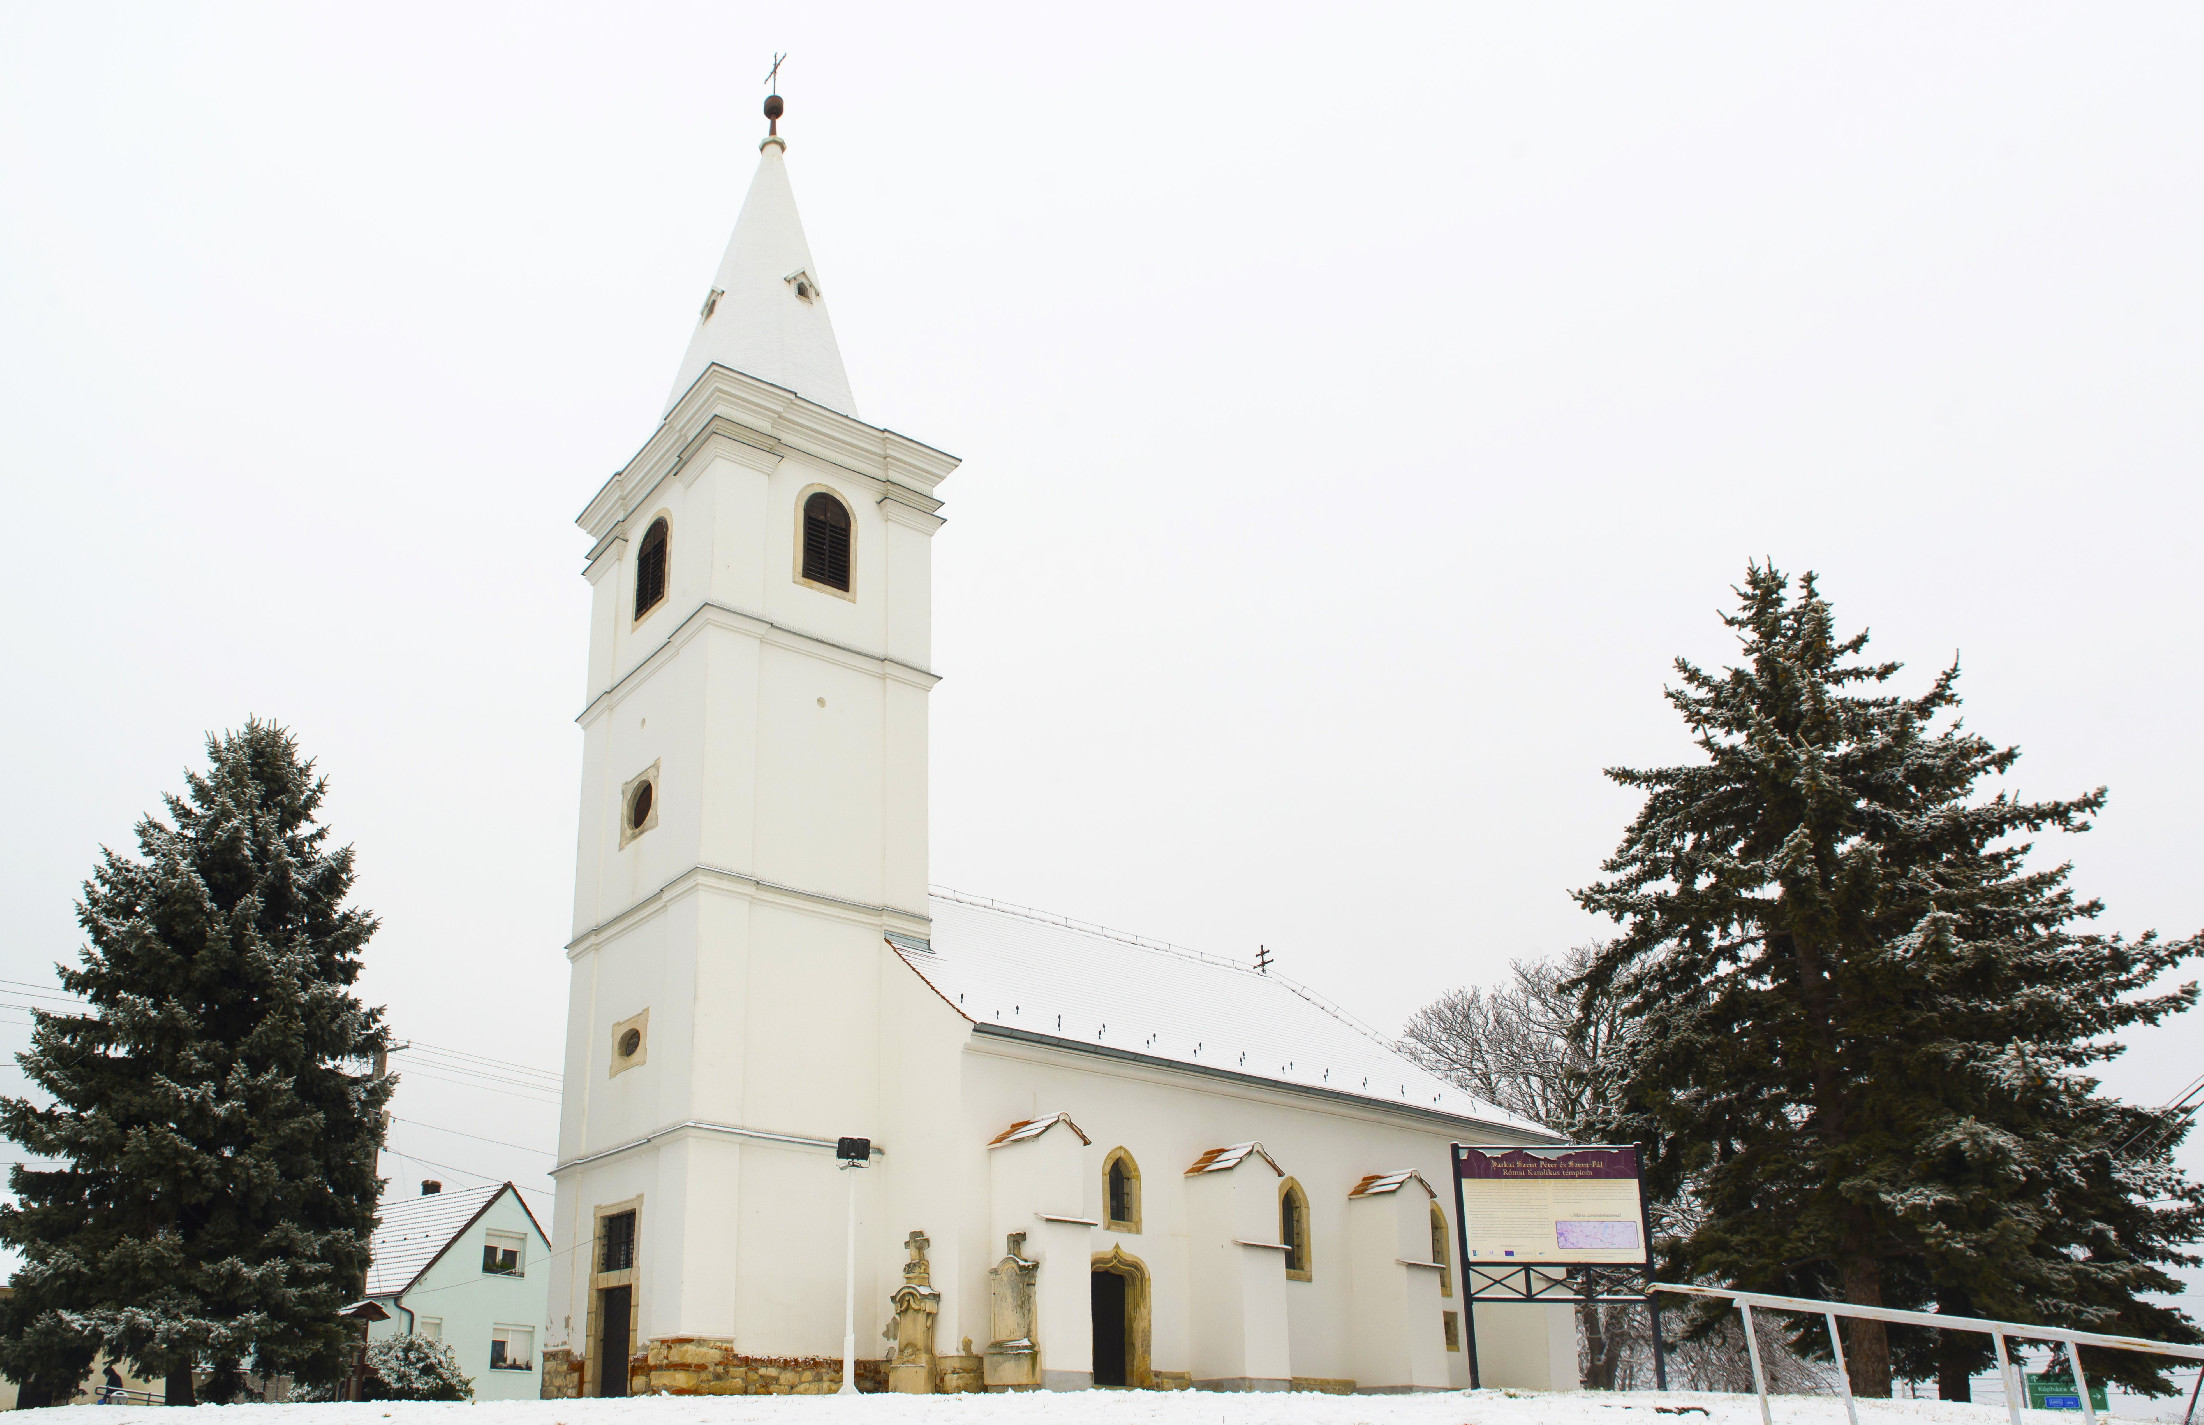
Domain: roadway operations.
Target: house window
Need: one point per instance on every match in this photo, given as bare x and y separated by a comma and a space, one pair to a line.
501, 1253
1440, 1253
429, 1326
826, 541
1121, 1192
617, 1235
1293, 1229
650, 569
513, 1348
1453, 1330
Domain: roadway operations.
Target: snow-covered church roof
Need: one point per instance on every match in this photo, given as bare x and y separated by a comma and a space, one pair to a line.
1030, 975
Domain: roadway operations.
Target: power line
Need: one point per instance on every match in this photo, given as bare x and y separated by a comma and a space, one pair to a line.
486, 1088
440, 1128
447, 1167
506, 1064
481, 1077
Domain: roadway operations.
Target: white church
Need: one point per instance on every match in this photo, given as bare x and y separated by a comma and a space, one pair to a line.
1094, 1160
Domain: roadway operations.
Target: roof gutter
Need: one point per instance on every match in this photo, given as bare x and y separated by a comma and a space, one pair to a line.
1104, 1051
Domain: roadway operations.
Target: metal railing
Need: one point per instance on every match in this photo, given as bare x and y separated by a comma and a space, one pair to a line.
1997, 1331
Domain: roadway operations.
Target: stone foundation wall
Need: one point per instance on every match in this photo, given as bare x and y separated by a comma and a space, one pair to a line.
700, 1365
562, 1374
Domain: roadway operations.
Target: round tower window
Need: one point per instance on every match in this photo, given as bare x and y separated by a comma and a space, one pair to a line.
630, 1042
639, 809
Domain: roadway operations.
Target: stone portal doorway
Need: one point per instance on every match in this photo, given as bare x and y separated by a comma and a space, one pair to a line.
1119, 1292
613, 1307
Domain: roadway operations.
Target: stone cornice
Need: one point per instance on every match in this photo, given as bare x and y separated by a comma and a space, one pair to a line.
711, 615
720, 878
756, 416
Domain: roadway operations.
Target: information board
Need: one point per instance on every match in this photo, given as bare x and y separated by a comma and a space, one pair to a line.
1550, 1207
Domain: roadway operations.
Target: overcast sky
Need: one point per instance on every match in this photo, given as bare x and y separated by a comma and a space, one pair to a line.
1360, 407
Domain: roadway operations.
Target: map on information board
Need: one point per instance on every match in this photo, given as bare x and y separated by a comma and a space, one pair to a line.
1545, 1207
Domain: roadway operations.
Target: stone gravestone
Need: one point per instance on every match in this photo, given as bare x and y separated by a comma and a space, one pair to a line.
1013, 1360
917, 1307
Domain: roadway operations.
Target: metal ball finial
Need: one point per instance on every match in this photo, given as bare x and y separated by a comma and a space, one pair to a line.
773, 110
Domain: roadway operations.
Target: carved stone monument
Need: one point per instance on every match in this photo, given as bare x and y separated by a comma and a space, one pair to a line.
962, 1372
1013, 1360
917, 1307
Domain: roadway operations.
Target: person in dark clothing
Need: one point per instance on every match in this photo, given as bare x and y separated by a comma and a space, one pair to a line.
112, 1394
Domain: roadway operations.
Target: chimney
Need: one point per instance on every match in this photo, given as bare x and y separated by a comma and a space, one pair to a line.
430, 1187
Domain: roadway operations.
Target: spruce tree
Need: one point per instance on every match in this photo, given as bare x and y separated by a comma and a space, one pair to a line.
1861, 1022
212, 1124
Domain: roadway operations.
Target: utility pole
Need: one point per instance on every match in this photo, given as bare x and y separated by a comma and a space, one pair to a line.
850, 1154
382, 1071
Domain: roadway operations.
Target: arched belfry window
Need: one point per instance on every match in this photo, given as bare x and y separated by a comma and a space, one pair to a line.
1293, 1229
1121, 1192
650, 569
826, 541
1440, 1252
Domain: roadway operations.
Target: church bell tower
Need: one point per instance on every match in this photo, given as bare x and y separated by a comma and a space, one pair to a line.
753, 826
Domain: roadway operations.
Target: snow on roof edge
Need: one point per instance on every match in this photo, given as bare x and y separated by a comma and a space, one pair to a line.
1165, 947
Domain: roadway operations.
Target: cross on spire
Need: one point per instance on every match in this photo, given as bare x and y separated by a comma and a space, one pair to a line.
773, 75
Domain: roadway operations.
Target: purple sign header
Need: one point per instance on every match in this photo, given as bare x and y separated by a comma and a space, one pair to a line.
1546, 1164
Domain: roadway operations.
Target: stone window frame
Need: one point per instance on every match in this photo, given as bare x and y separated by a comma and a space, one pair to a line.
629, 828
1110, 1221
1442, 1250
620, 1064
849, 507
1293, 1198
628, 1277
665, 581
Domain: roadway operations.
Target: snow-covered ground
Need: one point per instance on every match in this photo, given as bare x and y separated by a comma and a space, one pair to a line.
1111, 1407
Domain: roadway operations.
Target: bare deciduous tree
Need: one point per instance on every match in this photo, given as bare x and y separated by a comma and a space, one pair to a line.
1523, 1047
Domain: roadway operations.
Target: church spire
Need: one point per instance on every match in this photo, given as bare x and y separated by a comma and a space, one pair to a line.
766, 314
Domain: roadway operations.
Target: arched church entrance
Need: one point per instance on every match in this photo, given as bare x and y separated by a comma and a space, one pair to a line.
1121, 1320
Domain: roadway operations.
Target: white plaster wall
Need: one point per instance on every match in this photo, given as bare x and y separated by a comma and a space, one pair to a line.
788, 725
1167, 1119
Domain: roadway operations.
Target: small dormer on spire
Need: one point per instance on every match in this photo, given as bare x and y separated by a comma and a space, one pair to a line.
765, 312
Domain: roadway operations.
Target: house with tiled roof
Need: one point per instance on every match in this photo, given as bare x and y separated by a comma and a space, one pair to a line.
467, 1268
1088, 1158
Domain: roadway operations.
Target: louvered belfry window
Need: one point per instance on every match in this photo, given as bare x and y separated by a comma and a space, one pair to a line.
650, 569
826, 541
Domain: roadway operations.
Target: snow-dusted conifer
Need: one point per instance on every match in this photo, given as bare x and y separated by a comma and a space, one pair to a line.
1861, 1021
212, 1123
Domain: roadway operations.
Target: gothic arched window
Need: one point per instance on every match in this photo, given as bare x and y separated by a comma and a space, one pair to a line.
650, 569
1121, 1192
826, 541
1293, 1229
1440, 1253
